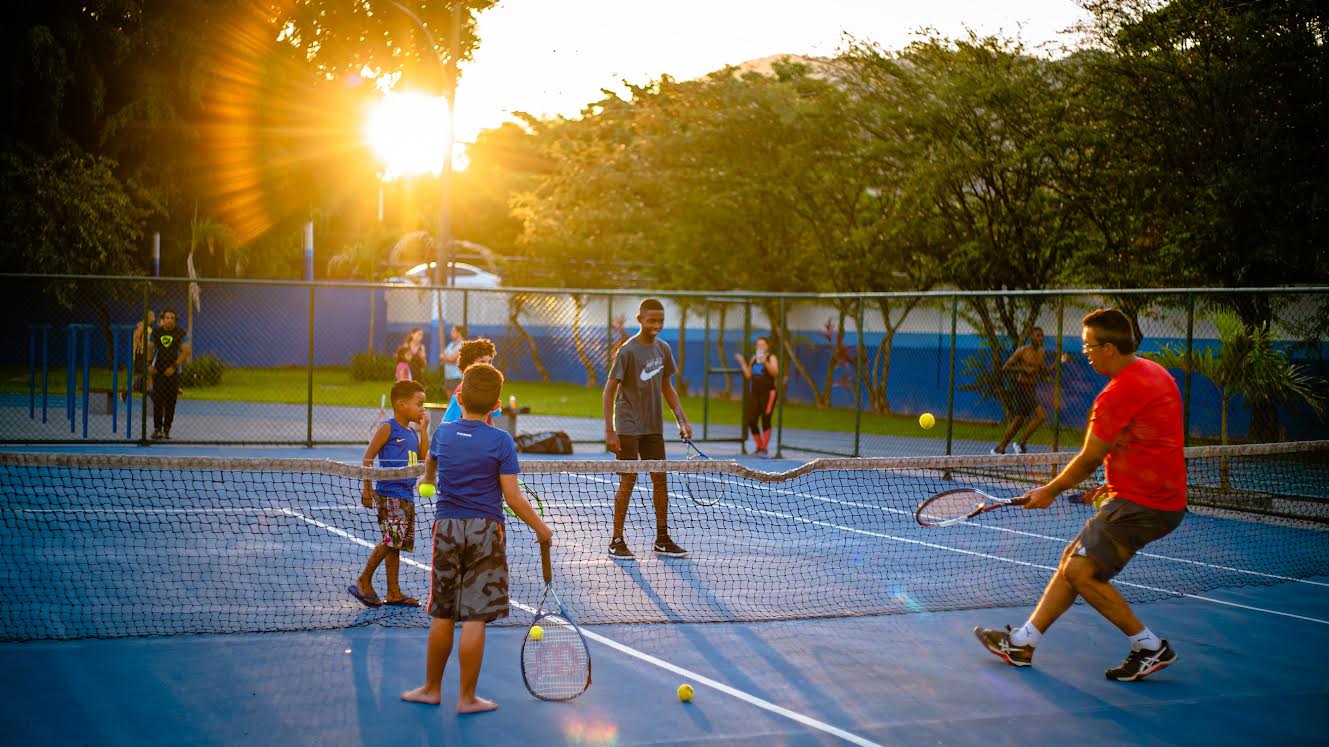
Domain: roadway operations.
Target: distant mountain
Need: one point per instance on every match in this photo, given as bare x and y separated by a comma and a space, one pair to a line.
766, 65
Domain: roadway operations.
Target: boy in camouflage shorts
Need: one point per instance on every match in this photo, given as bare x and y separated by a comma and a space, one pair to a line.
476, 468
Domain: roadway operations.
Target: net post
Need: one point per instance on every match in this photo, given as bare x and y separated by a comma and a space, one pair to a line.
1056, 382
783, 384
950, 387
115, 379
1190, 364
309, 399
32, 372
858, 380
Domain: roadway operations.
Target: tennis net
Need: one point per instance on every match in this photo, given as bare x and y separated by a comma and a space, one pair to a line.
110, 546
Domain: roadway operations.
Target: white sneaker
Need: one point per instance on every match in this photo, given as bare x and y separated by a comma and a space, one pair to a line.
1018, 449
993, 451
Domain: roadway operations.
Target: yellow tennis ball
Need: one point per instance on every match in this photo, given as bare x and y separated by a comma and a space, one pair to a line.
926, 420
537, 632
426, 489
685, 692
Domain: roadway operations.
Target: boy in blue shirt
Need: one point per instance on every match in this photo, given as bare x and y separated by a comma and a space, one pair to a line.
396, 443
470, 353
476, 467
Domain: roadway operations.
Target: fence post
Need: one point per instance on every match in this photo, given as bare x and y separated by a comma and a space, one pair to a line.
309, 401
1190, 364
950, 388
466, 309
143, 403
609, 334
782, 384
706, 370
1056, 382
858, 380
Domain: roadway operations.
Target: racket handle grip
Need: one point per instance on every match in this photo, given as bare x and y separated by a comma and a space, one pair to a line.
544, 562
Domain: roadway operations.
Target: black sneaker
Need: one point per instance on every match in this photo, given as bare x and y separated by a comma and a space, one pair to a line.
166, 434
666, 546
1142, 663
618, 549
999, 643
156, 435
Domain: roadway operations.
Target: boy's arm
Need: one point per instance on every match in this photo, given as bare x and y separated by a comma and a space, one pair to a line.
671, 399
431, 471
607, 407
424, 433
522, 507
186, 350
376, 442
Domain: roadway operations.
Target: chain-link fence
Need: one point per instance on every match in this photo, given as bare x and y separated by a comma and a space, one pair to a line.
310, 363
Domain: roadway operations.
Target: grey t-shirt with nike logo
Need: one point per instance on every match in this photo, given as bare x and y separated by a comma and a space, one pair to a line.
641, 370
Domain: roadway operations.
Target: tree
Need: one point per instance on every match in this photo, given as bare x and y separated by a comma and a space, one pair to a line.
1246, 363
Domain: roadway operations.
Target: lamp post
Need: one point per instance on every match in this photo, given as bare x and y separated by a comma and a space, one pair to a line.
442, 275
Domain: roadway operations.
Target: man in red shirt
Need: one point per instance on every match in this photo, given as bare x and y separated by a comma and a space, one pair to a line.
1135, 430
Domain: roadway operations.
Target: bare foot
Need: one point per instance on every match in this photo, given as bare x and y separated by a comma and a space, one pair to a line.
474, 705
423, 695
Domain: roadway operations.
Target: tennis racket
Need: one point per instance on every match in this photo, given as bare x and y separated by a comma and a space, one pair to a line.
380, 416
557, 666
531, 496
704, 491
958, 506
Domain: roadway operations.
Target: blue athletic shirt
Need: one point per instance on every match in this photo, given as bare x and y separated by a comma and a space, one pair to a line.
471, 455
454, 410
401, 450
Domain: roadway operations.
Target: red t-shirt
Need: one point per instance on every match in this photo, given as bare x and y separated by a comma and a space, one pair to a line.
1140, 409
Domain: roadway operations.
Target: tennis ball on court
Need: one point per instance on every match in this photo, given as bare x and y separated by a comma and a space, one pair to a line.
537, 632
426, 489
685, 692
926, 420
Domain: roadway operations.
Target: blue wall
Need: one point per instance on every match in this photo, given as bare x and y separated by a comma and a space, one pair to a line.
263, 326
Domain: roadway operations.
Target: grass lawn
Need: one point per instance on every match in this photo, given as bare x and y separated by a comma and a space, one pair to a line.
334, 386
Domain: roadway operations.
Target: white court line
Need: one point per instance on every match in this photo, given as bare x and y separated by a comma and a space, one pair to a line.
989, 556
1155, 556
643, 656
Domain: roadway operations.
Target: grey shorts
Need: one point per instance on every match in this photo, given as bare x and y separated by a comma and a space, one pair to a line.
470, 576
1119, 530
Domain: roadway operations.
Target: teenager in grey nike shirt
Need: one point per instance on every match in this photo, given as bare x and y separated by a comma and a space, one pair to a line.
641, 377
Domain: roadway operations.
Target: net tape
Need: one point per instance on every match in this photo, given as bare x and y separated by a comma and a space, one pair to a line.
109, 545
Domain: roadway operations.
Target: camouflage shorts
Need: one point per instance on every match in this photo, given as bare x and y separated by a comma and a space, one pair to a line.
396, 520
470, 578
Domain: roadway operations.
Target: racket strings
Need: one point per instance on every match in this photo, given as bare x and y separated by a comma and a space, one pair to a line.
557, 666
951, 506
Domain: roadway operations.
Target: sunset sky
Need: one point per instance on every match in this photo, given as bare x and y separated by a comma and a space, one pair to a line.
551, 57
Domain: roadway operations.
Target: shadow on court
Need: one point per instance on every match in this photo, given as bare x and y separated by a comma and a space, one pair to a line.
1245, 676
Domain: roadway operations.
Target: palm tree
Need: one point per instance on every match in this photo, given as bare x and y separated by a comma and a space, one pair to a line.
1246, 363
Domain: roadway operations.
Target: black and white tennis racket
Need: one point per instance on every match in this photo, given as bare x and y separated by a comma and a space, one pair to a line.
704, 490
555, 663
958, 506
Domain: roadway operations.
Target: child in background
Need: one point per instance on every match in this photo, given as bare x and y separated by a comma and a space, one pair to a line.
403, 364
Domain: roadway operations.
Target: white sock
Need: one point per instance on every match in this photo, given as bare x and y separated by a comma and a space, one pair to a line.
1026, 635
1145, 639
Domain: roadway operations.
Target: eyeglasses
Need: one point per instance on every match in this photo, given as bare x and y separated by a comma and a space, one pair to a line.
1087, 348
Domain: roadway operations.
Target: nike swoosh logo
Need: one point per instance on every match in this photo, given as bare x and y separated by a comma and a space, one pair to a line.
399, 440
648, 375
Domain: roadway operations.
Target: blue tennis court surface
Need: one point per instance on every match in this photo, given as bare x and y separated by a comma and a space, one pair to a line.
1252, 663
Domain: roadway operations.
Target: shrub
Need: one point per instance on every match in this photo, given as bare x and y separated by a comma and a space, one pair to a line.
368, 366
205, 370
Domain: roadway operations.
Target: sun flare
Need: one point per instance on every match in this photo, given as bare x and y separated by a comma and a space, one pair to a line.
409, 132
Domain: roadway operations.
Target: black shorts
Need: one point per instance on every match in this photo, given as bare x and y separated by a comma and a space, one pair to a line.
1119, 530
1024, 399
647, 446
